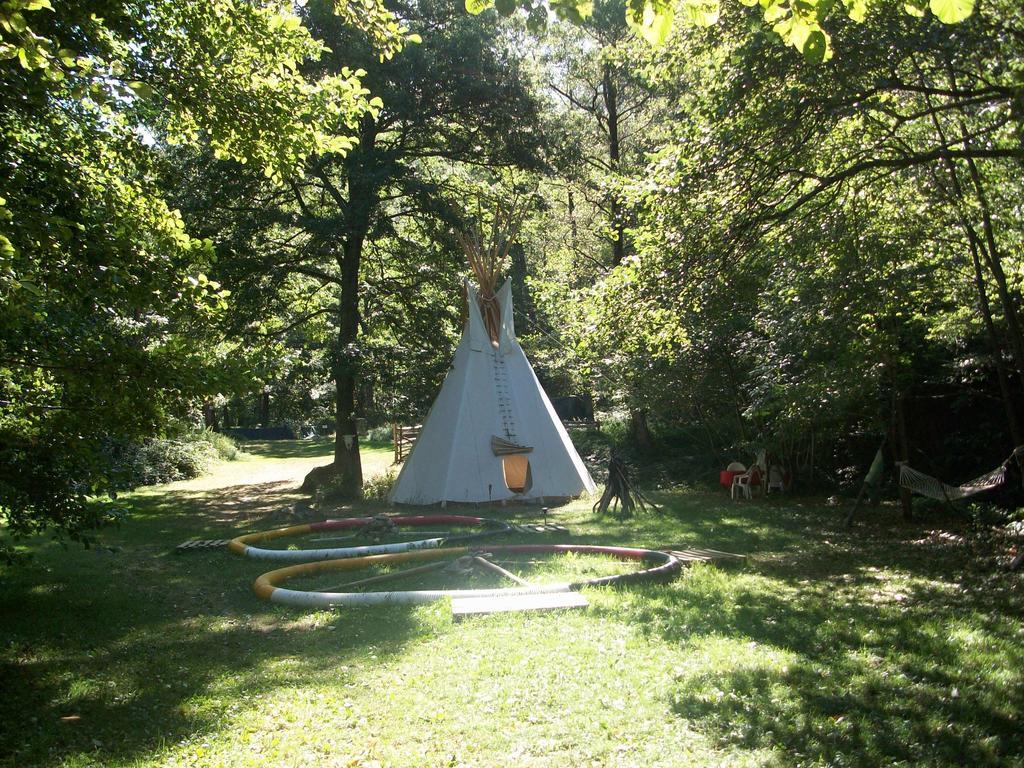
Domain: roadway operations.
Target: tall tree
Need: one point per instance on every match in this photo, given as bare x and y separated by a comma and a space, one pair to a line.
785, 186
392, 196
102, 291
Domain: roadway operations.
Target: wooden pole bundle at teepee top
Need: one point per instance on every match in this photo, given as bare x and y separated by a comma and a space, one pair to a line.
486, 259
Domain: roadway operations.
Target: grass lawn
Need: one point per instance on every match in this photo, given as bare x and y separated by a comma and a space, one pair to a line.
883, 646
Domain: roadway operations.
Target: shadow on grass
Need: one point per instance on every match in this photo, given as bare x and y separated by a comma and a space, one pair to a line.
218, 509
834, 648
112, 658
301, 449
869, 686
290, 449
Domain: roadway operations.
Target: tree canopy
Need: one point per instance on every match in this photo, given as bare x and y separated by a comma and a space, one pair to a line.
736, 244
104, 292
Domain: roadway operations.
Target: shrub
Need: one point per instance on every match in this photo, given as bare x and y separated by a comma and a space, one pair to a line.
227, 449
158, 460
381, 434
378, 488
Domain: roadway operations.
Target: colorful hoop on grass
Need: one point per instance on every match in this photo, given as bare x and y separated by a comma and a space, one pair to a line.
661, 566
242, 545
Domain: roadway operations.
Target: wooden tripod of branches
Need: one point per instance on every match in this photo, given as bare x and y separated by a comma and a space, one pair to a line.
620, 491
487, 251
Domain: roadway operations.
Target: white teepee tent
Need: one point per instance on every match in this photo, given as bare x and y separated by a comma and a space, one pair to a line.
491, 433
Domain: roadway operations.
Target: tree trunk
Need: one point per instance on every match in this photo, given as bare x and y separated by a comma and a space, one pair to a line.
997, 352
995, 266
522, 301
640, 430
976, 248
348, 470
992, 253
346, 473
611, 103
572, 217
210, 416
902, 447
265, 409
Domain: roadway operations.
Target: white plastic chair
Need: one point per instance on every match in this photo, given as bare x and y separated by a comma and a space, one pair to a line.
744, 481
776, 480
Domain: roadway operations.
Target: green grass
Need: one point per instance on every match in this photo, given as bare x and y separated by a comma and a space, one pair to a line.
878, 647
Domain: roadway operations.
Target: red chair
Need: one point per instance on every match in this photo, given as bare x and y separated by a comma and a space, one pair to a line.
726, 475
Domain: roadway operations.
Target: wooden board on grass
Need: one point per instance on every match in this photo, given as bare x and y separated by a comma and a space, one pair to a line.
539, 528
478, 606
694, 555
202, 544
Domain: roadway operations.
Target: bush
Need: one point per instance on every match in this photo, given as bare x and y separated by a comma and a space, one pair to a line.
157, 460
378, 488
227, 449
162, 461
55, 484
381, 434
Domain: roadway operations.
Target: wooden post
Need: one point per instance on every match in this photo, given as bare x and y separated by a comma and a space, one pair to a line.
483, 561
904, 457
390, 576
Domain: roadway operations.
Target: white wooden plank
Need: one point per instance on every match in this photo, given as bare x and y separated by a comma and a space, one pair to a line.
702, 555
478, 606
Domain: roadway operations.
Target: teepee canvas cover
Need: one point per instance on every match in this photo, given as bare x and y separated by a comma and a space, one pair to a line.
491, 434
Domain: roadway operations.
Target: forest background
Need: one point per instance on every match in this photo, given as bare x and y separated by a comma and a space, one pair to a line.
794, 227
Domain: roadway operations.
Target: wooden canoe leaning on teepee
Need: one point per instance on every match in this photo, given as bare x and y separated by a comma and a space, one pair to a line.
502, 447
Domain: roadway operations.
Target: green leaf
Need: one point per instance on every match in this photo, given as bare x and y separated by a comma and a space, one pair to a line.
815, 47
414, 38
952, 11
703, 13
857, 9
916, 7
774, 13
823, 9
142, 90
537, 20
653, 23
478, 6
575, 11
505, 7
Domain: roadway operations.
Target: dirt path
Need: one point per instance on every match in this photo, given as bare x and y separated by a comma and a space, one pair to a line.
262, 485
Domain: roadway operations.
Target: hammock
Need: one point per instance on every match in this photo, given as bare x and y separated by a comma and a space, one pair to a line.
933, 488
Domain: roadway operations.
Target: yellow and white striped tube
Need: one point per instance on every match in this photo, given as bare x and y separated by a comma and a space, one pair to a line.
266, 585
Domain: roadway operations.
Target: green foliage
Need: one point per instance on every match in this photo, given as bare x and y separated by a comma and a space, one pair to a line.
156, 461
351, 275
53, 484
823, 648
798, 23
106, 310
162, 460
378, 488
799, 258
380, 435
224, 446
